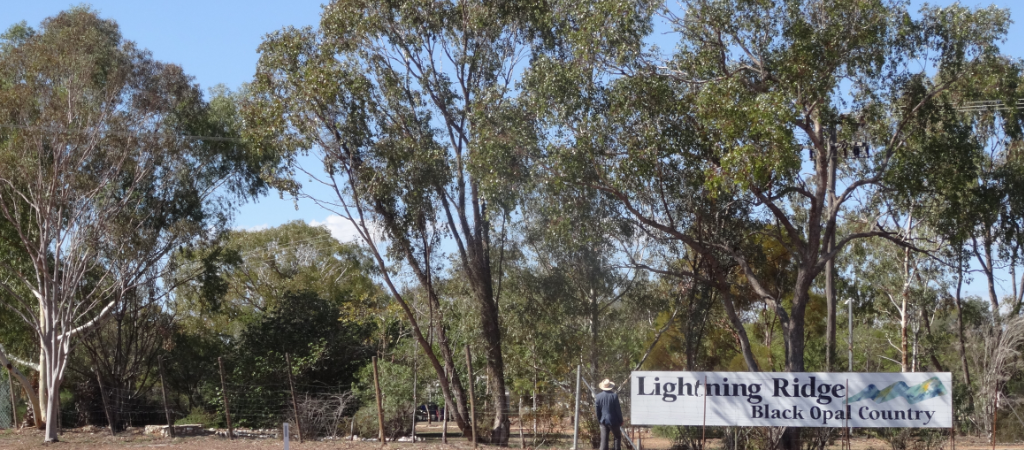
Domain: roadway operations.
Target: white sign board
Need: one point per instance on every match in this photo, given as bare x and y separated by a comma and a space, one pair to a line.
793, 399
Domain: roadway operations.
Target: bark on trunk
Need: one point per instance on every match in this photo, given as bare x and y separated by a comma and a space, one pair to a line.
927, 321
42, 414
794, 343
496, 377
594, 313
960, 334
451, 388
53, 413
741, 332
795, 330
54, 357
986, 266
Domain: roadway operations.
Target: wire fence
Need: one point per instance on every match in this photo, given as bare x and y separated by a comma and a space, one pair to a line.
7, 419
255, 410
214, 403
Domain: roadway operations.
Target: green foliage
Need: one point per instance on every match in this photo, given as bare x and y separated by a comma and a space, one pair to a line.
251, 272
325, 349
533, 183
396, 393
198, 416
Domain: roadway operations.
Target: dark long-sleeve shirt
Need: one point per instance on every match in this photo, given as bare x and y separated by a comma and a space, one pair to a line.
608, 410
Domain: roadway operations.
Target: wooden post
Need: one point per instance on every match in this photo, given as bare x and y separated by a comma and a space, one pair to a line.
295, 403
380, 405
472, 403
106, 406
224, 395
14, 400
163, 391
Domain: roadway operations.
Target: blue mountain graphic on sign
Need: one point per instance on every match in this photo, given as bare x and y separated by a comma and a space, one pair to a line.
930, 388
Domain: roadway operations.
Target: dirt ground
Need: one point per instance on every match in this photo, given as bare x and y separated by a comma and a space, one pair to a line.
99, 439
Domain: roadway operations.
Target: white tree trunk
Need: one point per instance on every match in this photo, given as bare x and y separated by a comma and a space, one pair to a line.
41, 413
56, 360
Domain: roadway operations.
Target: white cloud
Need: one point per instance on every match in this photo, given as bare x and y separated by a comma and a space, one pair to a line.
252, 228
340, 228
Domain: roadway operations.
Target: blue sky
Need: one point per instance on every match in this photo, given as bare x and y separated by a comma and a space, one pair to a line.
216, 41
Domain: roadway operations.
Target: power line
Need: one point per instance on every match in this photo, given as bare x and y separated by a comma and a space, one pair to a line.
989, 105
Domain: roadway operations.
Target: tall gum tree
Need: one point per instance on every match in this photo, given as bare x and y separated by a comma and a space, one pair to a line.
758, 112
412, 110
97, 182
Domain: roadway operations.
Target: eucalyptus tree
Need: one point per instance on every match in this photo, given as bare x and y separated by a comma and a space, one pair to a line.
99, 180
763, 107
570, 287
759, 109
411, 110
906, 284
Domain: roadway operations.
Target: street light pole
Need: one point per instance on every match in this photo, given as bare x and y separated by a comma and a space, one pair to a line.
849, 337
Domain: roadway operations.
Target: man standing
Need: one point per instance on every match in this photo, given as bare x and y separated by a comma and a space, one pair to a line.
609, 414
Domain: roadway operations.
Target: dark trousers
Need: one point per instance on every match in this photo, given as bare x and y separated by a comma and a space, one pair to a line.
616, 431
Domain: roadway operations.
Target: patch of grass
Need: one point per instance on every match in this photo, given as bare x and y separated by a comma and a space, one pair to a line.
197, 415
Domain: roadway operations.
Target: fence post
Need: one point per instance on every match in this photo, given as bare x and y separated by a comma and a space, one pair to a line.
103, 395
14, 400
224, 395
444, 421
295, 403
576, 415
380, 406
163, 392
472, 403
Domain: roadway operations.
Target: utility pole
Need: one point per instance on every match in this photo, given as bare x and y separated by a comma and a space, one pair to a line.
849, 337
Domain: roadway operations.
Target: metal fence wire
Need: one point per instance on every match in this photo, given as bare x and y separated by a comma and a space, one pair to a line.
6, 408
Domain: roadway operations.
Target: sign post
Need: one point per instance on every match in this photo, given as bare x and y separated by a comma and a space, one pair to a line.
793, 399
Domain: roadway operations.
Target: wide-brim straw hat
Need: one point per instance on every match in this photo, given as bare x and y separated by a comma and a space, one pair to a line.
606, 385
